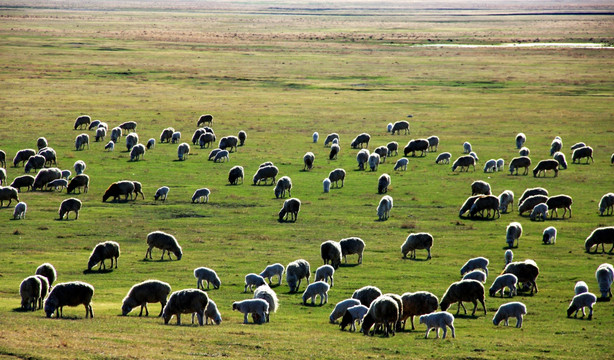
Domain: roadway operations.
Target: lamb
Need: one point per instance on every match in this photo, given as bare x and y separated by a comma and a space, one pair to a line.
131, 140
211, 312
400, 125
367, 294
8, 193
165, 242
506, 198
138, 189
500, 164
433, 142
512, 309
577, 146
82, 120
161, 193
488, 202
110, 146
540, 210
393, 147
205, 119
79, 167
149, 291
374, 160
308, 159
57, 184
384, 207
325, 272
475, 263
295, 272
20, 210
30, 291
79, 181
555, 146
314, 289
606, 204
350, 246
401, 164
383, 311
22, 156
315, 136
520, 162
82, 140
509, 256
253, 281
201, 194
258, 307
128, 126
291, 207
341, 308
284, 183
116, 134
360, 140
182, 151
464, 162
605, 277
580, 302
334, 151
119, 188
330, 251
186, 301
526, 272
66, 174
480, 187
443, 158
102, 251
137, 152
267, 294
583, 152
34, 162
437, 320
206, 139
100, 134
557, 202
208, 275
501, 282
560, 157
72, 293
490, 166
326, 185
68, 205
475, 156
464, 290
175, 137
545, 165
529, 203
478, 275
418, 241
362, 157
602, 235
336, 175
467, 205
520, 140
276, 269
413, 145
234, 174
416, 304
580, 288
466, 147
530, 192
352, 315
47, 270
221, 156
264, 173
549, 235
49, 155
382, 151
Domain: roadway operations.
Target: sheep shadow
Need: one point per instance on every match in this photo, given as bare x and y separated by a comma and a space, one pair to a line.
21, 310
414, 259
349, 265
602, 299
466, 316
103, 271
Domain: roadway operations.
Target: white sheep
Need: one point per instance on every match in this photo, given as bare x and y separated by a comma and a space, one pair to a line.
183, 150
520, 140
326, 185
374, 160
211, 312
175, 137
252, 281
295, 272
341, 307
20, 210
362, 157
503, 281
500, 164
164, 241
443, 158
580, 287
606, 204
418, 241
276, 269
137, 152
131, 140
315, 137
314, 289
382, 183
208, 275
580, 302
509, 256
490, 166
475, 263
389, 127
384, 207
187, 301
511, 309
384, 312
549, 235
325, 272
401, 164
475, 156
283, 183
438, 320
308, 160
221, 156
110, 146
540, 210
47, 270
149, 291
200, 195
466, 148
30, 291
350, 246
267, 294
151, 143
353, 315
68, 205
367, 294
79, 167
58, 184
605, 277
66, 174
477, 274
513, 233
290, 209
69, 294
161, 193
506, 198
258, 307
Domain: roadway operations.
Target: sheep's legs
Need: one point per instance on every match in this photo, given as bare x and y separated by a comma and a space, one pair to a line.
245, 318
519, 321
427, 332
452, 328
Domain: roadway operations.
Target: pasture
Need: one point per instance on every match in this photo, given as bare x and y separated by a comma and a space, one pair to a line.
279, 74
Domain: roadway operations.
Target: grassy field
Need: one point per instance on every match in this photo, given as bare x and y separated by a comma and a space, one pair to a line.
280, 74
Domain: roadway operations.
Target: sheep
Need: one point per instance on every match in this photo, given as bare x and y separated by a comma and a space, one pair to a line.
50, 156
438, 320
367, 294
336, 175
443, 158
362, 157
360, 140
205, 119
467, 205
182, 151
151, 143
253, 281
284, 183
267, 294
66, 174
82, 140
165, 242
315, 137
577, 146
549, 235
34, 163
560, 157
69, 294
242, 136
464, 290
352, 315
308, 159
389, 127
475, 263
41, 142
211, 312
161, 193
314, 289
559, 201
464, 162
555, 146
334, 151
138, 189
480, 187
605, 277
175, 137
433, 142
195, 137
508, 256
30, 291
400, 125
206, 139
341, 308
326, 185
102, 251
229, 142
500, 164
478, 275
2, 159
384, 207
545, 165
82, 120
416, 304
580, 288
68, 205
330, 251
414, 145
382, 183
520, 140
208, 275
201, 194
20, 210
466, 147
520, 162
47, 270
475, 156
8, 193
110, 146
533, 191
501, 282
291, 207
583, 152
295, 272
276, 269
258, 307
487, 202
186, 301
131, 140
529, 203
490, 166
22, 156
100, 134
128, 126
418, 241
350, 246
265, 173
79, 181
149, 291
526, 272
539, 210
602, 235
382, 151
234, 174
325, 272
330, 137
116, 134
57, 184
119, 188
393, 147
606, 204
401, 164
79, 167
374, 160
221, 156
45, 287
383, 311
580, 302
512, 309
397, 298
506, 198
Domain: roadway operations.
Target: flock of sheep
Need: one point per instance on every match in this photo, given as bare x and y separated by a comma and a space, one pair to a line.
368, 306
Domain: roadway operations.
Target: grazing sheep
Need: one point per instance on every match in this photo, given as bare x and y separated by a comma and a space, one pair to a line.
258, 307
208, 275
464, 162
549, 235
22, 156
478, 275
580, 288
314, 289
47, 270
500, 164
149, 291
480, 187
201, 194
151, 143
362, 157
265, 173
506, 198
433, 142
414, 145
182, 151
464, 290
253, 281
353, 315
384, 207
577, 146
520, 140
330, 251
473, 264
175, 137
315, 136
221, 156
79, 167
186, 301
334, 151
82, 120
416, 304
206, 139
110, 146
400, 125
438, 320
401, 164
228, 142
205, 119
501, 282
8, 193
234, 174
533, 191
336, 175
41, 142
418, 241
276, 269
580, 302
102, 251
326, 185
539, 210
242, 136
116, 189
196, 136
560, 157
393, 147
325, 272
545, 165
557, 202
383, 311
529, 203
30, 291
509, 256
295, 272
57, 184
66, 174
367, 294
602, 235
81, 141
116, 134
49, 155
211, 312
490, 166
23, 181
20, 210
555, 146
34, 163
69, 294
308, 159
520, 162
382, 183
69, 205
131, 140
487, 202
341, 308
382, 151
161, 193
443, 158
291, 207
284, 183
267, 294
79, 181
100, 134
374, 160
466, 147
605, 277
512, 309
360, 140
350, 246
524, 152
475, 156
44, 290
138, 189
165, 242
583, 152
389, 127
606, 204
467, 205
397, 298
526, 272
128, 126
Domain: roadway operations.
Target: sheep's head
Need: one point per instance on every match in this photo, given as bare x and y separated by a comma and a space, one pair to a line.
128, 305
367, 322
94, 259
178, 253
496, 319
571, 310
50, 306
216, 283
444, 304
235, 306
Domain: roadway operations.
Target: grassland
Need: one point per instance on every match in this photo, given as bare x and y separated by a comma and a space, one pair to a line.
280, 75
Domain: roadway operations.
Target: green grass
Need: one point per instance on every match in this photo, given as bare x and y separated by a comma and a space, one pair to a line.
165, 68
